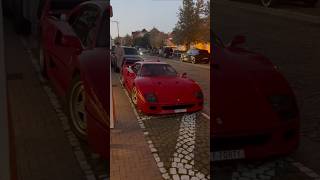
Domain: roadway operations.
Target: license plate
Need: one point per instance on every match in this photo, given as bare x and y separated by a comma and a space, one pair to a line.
180, 110
228, 155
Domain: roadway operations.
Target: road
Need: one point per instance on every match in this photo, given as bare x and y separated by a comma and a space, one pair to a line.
292, 42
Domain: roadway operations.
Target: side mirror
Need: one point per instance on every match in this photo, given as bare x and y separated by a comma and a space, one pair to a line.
71, 41
63, 17
239, 39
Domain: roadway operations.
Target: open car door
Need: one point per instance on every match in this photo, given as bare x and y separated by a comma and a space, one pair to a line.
95, 75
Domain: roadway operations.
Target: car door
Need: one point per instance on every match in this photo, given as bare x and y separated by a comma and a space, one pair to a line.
95, 75
60, 59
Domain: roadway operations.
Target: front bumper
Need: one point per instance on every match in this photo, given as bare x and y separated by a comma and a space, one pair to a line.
161, 109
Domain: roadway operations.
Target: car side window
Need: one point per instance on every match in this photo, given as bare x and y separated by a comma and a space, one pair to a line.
84, 24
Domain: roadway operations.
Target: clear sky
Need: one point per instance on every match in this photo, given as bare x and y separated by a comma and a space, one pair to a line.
135, 15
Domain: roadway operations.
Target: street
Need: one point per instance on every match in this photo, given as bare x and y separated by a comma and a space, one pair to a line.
292, 42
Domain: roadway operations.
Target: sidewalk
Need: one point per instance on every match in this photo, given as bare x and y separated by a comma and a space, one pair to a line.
131, 158
42, 149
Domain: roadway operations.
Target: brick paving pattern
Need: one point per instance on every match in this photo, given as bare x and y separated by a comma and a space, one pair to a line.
131, 157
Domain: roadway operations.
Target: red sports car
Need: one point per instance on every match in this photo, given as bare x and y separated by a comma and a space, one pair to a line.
255, 114
74, 56
156, 88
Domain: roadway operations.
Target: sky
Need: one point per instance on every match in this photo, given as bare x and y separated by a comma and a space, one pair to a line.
135, 15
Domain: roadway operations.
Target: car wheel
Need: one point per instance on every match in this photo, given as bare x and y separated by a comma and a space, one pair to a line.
42, 62
134, 96
193, 60
76, 108
269, 3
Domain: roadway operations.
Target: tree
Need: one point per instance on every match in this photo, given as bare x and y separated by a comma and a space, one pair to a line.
142, 41
156, 38
193, 23
186, 26
127, 40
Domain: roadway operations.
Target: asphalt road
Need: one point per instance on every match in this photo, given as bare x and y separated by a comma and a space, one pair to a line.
292, 42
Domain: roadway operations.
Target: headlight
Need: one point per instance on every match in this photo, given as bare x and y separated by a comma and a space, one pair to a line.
150, 97
199, 95
284, 106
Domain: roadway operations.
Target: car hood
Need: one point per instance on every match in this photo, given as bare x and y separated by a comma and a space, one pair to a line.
169, 90
242, 82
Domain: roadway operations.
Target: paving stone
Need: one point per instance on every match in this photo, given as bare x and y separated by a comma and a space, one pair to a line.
182, 171
173, 171
191, 172
160, 164
176, 177
185, 177
166, 176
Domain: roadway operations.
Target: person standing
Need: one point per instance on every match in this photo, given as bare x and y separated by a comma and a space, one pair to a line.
119, 52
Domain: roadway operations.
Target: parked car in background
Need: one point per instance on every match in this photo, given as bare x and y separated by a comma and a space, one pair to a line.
130, 54
256, 113
178, 53
143, 51
168, 52
74, 54
195, 56
156, 88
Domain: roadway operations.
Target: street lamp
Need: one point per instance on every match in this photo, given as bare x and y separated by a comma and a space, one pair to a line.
117, 27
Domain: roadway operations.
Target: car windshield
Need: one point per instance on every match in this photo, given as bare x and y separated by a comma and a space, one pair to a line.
158, 70
130, 51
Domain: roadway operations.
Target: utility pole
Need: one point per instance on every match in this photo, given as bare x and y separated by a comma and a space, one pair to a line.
117, 27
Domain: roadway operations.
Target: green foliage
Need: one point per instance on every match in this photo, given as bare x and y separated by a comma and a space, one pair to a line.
194, 22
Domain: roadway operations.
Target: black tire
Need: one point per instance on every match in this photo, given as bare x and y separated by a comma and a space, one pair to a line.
75, 104
269, 3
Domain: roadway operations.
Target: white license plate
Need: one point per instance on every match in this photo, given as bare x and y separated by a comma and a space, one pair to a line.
180, 110
228, 155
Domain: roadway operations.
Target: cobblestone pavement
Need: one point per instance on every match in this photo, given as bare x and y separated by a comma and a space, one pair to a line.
179, 143
293, 45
